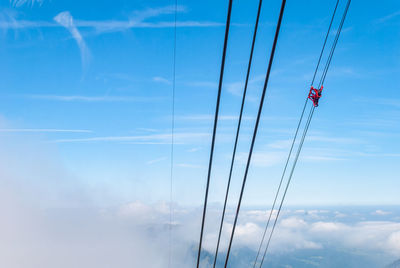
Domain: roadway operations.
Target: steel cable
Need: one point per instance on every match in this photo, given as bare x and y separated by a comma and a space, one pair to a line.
271, 59
171, 212
228, 19
295, 136
238, 130
307, 126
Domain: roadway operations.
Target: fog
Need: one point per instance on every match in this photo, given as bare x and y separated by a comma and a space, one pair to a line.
50, 219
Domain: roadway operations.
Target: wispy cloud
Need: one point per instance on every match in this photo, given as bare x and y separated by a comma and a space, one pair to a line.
184, 165
157, 160
378, 155
312, 154
108, 26
19, 3
10, 22
208, 117
150, 143
66, 20
263, 159
328, 139
207, 84
142, 15
322, 158
236, 88
91, 98
143, 129
162, 80
344, 30
280, 144
388, 17
22, 130
193, 150
380, 212
346, 72
324, 154
137, 20
154, 138
140, 20
388, 102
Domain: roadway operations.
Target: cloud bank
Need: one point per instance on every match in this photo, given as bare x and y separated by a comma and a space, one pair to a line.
50, 217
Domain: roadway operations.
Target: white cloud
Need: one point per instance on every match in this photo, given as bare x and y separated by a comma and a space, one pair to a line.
301, 232
91, 98
19, 3
185, 165
327, 227
144, 213
203, 84
235, 88
320, 158
137, 20
66, 20
161, 80
50, 130
328, 139
108, 26
340, 214
346, 71
210, 117
393, 242
381, 212
388, 102
51, 219
388, 17
142, 15
281, 144
157, 138
116, 26
263, 159
193, 150
10, 22
259, 216
247, 234
157, 160
293, 222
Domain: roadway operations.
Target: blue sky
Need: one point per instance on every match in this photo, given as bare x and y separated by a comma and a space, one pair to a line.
88, 87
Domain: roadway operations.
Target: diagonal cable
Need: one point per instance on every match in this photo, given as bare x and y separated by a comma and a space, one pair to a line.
335, 42
295, 136
171, 208
228, 20
238, 130
307, 127
271, 59
287, 185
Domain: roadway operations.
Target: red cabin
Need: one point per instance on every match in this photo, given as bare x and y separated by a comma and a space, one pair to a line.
315, 95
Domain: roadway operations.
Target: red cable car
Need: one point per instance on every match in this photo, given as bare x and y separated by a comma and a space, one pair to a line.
315, 95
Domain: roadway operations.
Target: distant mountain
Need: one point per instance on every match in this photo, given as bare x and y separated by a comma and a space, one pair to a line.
396, 264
